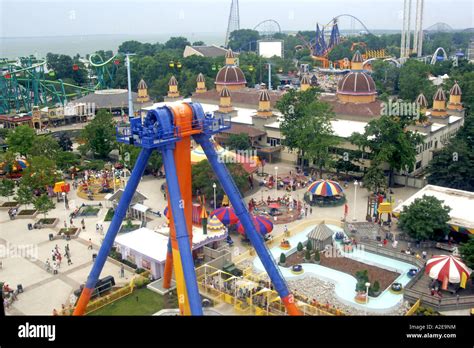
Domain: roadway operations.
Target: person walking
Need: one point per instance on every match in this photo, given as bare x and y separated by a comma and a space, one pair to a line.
48, 266
65, 224
122, 271
83, 224
67, 250
55, 268
101, 229
69, 262
58, 259
97, 228
90, 244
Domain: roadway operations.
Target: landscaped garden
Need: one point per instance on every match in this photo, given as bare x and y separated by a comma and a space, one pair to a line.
357, 269
9, 205
70, 231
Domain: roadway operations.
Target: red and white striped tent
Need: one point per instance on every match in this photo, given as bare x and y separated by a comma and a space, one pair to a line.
447, 268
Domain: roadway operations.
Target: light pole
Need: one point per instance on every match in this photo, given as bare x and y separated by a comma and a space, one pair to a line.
65, 206
214, 187
356, 183
129, 82
276, 181
367, 285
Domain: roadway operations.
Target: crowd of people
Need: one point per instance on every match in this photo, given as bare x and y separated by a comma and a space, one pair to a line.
56, 259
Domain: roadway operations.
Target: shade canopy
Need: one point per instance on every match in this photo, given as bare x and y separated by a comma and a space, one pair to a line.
326, 188
441, 267
226, 215
261, 223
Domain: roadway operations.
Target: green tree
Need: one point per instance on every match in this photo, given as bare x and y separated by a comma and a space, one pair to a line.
375, 180
426, 218
65, 142
24, 195
317, 256
238, 141
44, 204
374, 289
307, 254
155, 162
362, 278
303, 117
344, 166
41, 173
45, 146
99, 134
309, 246
467, 252
204, 177
282, 258
389, 142
7, 188
386, 76
177, 43
66, 160
244, 39
454, 164
21, 140
413, 80
299, 247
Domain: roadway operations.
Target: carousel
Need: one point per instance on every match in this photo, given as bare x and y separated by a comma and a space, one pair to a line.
281, 210
325, 193
13, 169
448, 272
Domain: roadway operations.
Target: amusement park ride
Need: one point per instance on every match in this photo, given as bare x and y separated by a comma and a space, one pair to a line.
169, 129
320, 48
25, 83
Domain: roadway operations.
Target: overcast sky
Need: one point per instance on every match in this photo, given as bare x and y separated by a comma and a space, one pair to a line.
89, 17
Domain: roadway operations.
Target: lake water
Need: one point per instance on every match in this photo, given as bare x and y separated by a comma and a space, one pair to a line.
71, 45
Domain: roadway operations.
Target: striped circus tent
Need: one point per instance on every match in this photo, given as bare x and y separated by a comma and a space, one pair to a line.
215, 224
261, 223
226, 215
447, 268
326, 188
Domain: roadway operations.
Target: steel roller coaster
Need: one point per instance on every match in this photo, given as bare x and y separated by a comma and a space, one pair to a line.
25, 83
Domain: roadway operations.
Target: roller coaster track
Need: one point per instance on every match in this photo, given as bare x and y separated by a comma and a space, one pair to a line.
105, 77
24, 82
334, 20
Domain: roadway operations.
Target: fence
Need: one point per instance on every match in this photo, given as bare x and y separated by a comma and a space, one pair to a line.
409, 181
394, 254
444, 303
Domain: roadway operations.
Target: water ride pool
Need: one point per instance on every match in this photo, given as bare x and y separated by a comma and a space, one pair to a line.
345, 283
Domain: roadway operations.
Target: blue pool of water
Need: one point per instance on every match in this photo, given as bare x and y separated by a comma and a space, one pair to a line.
345, 283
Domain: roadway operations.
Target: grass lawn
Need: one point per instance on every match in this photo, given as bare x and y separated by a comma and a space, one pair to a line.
148, 303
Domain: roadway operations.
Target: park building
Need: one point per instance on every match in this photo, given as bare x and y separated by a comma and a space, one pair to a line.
211, 51
252, 111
